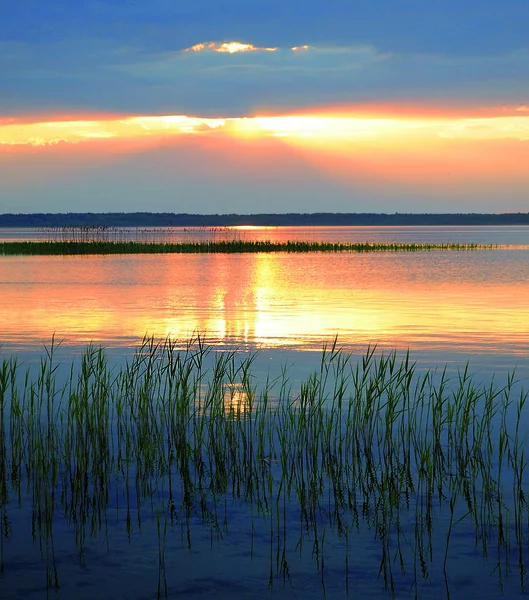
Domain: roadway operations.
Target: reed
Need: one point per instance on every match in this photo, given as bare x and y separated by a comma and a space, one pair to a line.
83, 247
182, 432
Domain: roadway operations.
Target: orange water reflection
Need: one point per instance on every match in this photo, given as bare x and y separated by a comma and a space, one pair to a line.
472, 300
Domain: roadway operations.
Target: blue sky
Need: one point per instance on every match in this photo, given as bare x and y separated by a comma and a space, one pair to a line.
126, 56
452, 27
84, 59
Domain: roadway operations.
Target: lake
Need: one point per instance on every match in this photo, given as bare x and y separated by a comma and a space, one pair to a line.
449, 309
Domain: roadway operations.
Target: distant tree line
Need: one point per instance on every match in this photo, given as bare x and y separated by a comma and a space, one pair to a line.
145, 219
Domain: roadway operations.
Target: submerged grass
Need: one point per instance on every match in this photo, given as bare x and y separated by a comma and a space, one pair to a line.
232, 246
361, 444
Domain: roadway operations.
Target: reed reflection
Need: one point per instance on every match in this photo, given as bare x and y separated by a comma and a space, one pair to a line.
462, 300
237, 401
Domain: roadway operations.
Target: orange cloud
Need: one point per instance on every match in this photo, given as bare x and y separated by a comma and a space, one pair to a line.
347, 145
228, 47
394, 130
444, 149
53, 132
234, 47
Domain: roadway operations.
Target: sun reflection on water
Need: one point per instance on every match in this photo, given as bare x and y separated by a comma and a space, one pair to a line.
271, 300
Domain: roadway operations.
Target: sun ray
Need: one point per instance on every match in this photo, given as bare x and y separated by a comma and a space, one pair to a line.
344, 144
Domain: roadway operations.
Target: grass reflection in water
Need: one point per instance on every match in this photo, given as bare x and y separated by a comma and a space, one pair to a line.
361, 445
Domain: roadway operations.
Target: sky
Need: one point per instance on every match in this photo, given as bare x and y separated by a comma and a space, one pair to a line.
249, 106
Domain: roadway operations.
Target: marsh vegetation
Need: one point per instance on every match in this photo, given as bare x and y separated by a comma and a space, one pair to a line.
97, 246
365, 450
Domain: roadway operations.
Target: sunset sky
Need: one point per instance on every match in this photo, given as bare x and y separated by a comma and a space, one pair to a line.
249, 106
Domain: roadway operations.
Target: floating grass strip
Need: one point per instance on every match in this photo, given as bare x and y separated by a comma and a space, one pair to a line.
184, 434
233, 246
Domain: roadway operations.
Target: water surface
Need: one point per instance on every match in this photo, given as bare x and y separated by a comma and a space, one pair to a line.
445, 307
438, 303
513, 235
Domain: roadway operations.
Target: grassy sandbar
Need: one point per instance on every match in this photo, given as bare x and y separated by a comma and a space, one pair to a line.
43, 248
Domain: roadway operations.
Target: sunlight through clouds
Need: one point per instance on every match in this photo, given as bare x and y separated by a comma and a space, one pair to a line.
228, 47
516, 127
179, 123
322, 127
212, 106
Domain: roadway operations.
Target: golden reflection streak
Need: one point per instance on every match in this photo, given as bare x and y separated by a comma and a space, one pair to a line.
264, 299
236, 400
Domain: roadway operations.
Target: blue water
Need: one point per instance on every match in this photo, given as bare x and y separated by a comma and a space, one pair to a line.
447, 308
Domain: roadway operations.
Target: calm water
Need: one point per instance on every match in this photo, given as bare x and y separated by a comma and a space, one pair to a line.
514, 235
446, 307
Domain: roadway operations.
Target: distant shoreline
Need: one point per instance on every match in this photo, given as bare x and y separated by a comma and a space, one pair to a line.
145, 219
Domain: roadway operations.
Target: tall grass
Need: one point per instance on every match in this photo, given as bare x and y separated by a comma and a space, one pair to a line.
75, 247
364, 443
